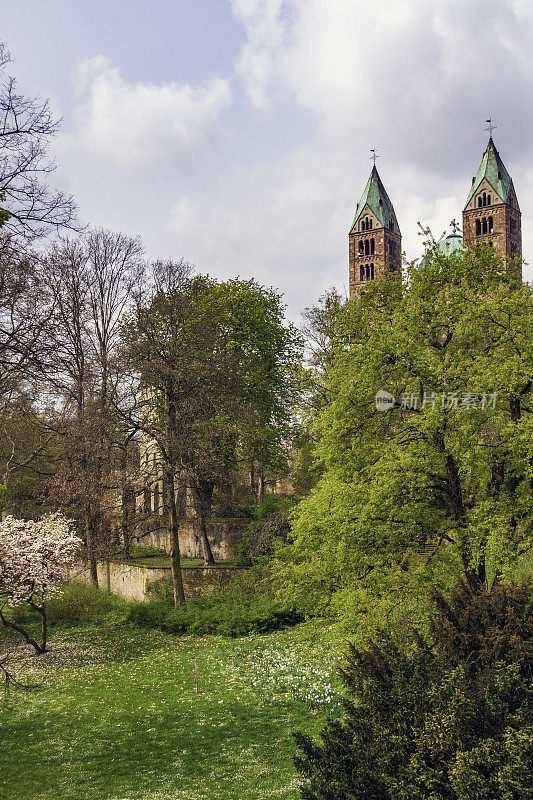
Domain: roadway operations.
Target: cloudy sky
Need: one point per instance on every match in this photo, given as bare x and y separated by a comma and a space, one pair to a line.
236, 133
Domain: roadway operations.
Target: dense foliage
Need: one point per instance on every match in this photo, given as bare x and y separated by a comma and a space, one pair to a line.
437, 482
451, 720
227, 614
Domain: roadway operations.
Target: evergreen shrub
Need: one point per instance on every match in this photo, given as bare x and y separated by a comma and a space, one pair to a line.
448, 718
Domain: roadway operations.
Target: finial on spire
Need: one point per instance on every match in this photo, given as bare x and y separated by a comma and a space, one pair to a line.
374, 155
491, 127
455, 226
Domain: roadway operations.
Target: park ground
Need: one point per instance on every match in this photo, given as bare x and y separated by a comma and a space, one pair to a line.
123, 713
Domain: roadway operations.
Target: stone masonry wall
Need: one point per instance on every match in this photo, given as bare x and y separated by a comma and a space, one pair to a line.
133, 582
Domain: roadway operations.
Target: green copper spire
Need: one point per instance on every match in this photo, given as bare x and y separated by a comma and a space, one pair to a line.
492, 168
376, 198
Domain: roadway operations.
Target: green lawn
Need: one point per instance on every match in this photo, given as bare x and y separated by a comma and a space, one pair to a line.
125, 713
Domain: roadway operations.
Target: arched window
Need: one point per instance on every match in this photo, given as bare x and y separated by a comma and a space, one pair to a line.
488, 199
372, 246
491, 225
367, 248
478, 227
480, 201
367, 272
371, 272
484, 198
361, 273
485, 227
370, 224
361, 248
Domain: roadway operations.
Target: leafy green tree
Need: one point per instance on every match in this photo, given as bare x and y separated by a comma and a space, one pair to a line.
213, 361
451, 720
439, 482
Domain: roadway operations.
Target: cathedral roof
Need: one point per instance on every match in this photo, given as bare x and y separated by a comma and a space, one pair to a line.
450, 244
492, 168
376, 198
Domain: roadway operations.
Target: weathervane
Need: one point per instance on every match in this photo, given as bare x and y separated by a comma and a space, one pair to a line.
491, 127
455, 226
374, 155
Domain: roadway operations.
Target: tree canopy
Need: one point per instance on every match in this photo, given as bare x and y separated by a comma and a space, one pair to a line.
437, 480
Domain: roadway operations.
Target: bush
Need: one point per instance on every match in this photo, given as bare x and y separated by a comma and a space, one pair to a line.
226, 615
271, 524
145, 551
450, 719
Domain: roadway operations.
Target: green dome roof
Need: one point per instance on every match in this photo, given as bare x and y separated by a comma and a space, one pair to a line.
450, 244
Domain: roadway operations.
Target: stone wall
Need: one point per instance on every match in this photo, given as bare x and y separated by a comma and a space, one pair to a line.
133, 582
224, 535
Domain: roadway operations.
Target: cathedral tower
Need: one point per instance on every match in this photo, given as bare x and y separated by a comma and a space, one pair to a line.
492, 214
375, 241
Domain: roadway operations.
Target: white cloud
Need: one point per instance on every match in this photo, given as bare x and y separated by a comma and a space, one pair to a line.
266, 31
142, 126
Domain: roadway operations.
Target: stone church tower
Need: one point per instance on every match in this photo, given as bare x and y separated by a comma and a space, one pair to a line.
492, 214
375, 241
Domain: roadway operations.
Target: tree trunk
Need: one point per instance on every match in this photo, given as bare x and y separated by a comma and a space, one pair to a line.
459, 513
91, 547
203, 495
173, 535
44, 624
127, 514
37, 647
252, 476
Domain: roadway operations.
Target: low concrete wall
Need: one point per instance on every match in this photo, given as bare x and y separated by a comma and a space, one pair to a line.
133, 582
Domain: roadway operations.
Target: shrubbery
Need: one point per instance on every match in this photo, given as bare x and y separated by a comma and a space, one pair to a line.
449, 718
77, 602
225, 614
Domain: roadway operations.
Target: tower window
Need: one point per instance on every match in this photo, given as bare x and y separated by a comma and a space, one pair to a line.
484, 198
491, 225
478, 227
485, 227
480, 201
370, 224
488, 199
361, 273
361, 248
367, 248
367, 272
372, 246
371, 272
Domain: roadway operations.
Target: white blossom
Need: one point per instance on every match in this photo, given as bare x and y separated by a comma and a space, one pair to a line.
35, 557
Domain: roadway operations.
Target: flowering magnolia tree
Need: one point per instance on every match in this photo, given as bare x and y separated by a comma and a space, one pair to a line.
34, 561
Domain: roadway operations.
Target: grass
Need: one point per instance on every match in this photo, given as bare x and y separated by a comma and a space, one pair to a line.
164, 561
130, 714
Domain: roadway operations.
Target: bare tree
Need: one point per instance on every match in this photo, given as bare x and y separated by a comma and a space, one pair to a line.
91, 281
27, 127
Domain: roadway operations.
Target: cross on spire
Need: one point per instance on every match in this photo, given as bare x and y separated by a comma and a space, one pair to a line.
491, 127
455, 226
374, 155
